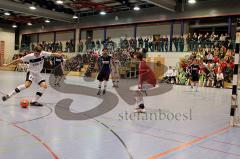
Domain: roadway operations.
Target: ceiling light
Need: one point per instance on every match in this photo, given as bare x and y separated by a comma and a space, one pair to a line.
136, 8
59, 2
29, 24
7, 13
191, 1
103, 13
32, 8
75, 17
14, 26
47, 21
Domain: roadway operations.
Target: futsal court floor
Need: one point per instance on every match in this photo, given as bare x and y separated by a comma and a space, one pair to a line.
69, 126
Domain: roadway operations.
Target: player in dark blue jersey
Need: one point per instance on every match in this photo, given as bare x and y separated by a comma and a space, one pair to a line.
194, 70
104, 63
57, 63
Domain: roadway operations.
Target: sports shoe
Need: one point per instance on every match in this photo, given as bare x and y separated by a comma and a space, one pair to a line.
104, 92
36, 104
145, 92
139, 111
142, 111
99, 92
6, 97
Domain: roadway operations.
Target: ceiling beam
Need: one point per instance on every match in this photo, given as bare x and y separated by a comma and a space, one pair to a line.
165, 4
39, 12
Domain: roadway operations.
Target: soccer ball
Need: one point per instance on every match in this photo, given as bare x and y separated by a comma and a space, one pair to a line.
24, 103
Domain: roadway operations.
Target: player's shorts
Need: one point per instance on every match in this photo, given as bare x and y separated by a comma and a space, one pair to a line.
115, 74
35, 77
58, 71
146, 86
103, 76
195, 78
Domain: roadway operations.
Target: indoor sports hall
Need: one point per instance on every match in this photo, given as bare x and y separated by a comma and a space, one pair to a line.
119, 79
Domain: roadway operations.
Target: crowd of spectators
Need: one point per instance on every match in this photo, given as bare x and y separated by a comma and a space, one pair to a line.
161, 43
90, 58
194, 41
213, 52
57, 46
216, 66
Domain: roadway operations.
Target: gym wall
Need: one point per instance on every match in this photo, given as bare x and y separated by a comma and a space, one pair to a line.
153, 29
8, 36
64, 37
84, 37
34, 39
98, 34
46, 37
117, 32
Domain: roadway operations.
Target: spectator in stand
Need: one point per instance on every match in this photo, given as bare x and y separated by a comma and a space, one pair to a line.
181, 44
146, 43
194, 42
174, 76
150, 45
92, 45
228, 44
125, 44
168, 74
206, 41
140, 42
222, 38
60, 46
161, 43
80, 46
216, 59
175, 42
98, 44
200, 40
220, 79
212, 37
165, 41
67, 47
188, 41
209, 57
134, 43
131, 43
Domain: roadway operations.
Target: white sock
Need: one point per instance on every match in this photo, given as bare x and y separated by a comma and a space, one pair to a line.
55, 81
59, 79
39, 94
196, 87
17, 90
117, 82
100, 85
192, 86
105, 84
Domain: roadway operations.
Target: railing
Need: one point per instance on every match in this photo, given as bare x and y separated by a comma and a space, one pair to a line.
177, 46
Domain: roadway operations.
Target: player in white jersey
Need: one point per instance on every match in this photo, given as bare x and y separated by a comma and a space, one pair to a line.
115, 71
36, 61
